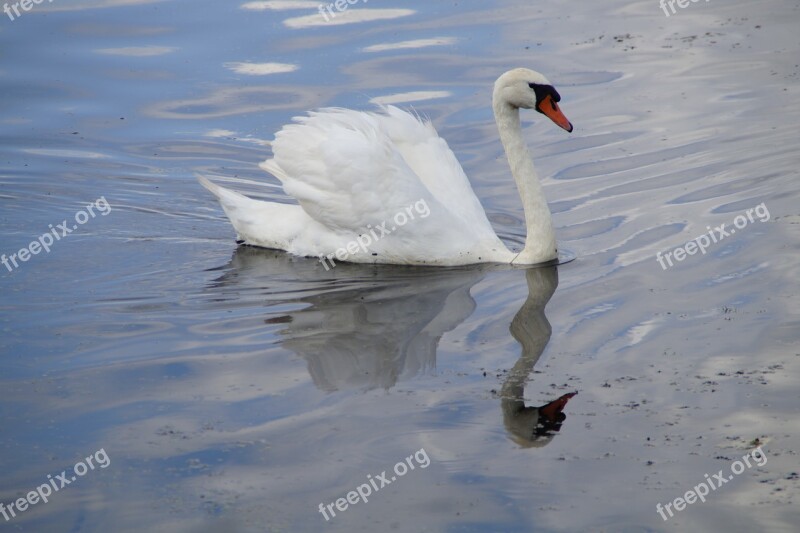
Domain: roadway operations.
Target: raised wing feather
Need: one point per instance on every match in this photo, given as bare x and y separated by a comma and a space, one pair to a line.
432, 160
343, 169
348, 169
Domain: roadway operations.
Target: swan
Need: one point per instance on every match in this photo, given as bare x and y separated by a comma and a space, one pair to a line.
383, 187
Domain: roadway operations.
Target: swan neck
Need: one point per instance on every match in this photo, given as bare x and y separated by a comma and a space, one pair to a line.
540, 242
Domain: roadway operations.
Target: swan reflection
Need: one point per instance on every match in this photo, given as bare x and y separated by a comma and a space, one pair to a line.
367, 326
532, 426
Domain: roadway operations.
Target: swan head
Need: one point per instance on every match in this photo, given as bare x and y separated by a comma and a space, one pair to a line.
523, 88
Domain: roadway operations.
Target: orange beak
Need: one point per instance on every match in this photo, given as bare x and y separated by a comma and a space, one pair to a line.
549, 107
552, 410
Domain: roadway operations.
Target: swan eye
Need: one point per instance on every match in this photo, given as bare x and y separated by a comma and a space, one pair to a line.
542, 92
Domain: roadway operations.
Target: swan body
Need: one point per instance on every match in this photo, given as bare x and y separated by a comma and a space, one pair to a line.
385, 188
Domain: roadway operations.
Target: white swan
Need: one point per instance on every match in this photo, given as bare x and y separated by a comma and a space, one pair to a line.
354, 174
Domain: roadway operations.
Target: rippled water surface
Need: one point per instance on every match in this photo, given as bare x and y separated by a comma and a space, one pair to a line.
235, 389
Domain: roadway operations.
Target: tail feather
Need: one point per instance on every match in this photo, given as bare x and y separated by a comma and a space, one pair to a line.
241, 210
223, 195
271, 166
266, 224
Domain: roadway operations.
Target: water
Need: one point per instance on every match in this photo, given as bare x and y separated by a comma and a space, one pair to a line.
237, 389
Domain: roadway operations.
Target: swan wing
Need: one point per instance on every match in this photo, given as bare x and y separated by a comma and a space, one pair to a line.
348, 169
435, 164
